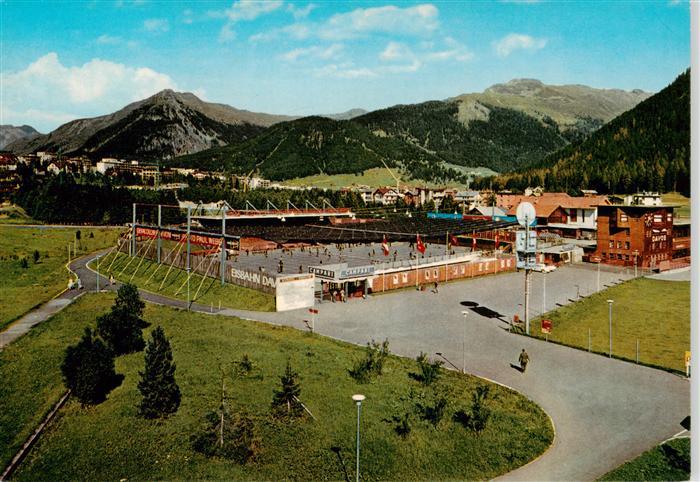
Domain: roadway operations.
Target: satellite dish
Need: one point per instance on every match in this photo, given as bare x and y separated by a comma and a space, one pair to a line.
525, 213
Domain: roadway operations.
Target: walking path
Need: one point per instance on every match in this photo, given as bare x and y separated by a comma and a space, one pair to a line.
605, 411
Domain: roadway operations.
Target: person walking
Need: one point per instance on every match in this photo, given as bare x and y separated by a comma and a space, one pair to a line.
524, 359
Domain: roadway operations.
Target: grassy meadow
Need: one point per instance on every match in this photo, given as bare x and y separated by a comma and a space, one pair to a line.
375, 177
664, 462
150, 277
11, 214
655, 312
24, 288
110, 441
678, 199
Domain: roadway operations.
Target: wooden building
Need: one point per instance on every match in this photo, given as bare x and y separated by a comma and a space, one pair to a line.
635, 234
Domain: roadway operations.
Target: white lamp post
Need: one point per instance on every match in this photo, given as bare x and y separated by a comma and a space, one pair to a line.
464, 342
97, 272
610, 303
358, 401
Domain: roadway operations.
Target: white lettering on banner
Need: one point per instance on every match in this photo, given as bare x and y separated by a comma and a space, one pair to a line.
256, 278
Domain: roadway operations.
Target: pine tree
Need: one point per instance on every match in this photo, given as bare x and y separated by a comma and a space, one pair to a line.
128, 297
88, 369
121, 330
286, 400
161, 395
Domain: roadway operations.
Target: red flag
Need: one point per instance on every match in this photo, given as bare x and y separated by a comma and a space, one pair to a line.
419, 244
385, 246
453, 240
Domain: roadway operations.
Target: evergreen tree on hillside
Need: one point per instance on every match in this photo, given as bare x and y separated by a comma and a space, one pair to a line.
128, 298
286, 400
121, 330
161, 395
88, 369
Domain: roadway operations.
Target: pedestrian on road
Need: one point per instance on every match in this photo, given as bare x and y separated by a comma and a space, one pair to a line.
111, 279
524, 359
435, 289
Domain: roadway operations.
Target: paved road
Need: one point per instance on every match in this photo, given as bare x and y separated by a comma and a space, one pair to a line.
604, 411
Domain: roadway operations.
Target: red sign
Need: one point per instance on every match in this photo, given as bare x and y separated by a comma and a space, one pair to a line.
546, 326
197, 239
313, 310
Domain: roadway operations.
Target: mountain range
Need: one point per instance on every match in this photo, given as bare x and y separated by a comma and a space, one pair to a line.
504, 128
9, 134
645, 148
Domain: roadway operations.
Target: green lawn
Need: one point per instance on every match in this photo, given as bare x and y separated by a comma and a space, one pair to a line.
676, 198
110, 442
657, 313
23, 288
211, 292
375, 177
670, 461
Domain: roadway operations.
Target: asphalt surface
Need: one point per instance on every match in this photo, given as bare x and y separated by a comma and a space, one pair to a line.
604, 411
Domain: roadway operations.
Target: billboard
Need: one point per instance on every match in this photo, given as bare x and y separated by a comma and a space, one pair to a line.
295, 292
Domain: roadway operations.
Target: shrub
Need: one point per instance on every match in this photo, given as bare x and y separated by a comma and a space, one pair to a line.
429, 372
366, 369
478, 417
36, 256
285, 401
239, 440
161, 395
23, 263
88, 369
433, 409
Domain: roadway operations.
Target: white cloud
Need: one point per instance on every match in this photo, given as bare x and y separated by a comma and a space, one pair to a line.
301, 12
418, 20
395, 51
243, 10
326, 53
516, 41
48, 91
156, 25
108, 40
187, 16
361, 22
344, 71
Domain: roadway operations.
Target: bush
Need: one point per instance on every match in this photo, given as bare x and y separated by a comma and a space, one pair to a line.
161, 395
433, 409
23, 263
429, 372
239, 440
365, 370
88, 369
480, 413
285, 401
36, 256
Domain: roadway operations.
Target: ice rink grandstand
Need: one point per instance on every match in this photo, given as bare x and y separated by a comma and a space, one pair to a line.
318, 254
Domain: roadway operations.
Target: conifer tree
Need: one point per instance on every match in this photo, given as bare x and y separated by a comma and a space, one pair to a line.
161, 395
286, 400
88, 369
128, 298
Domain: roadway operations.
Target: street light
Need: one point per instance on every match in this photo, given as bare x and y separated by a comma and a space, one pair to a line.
358, 401
97, 273
610, 303
464, 342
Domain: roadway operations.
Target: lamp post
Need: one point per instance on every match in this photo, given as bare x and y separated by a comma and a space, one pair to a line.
464, 342
97, 272
636, 253
544, 292
598, 281
188, 288
358, 398
610, 303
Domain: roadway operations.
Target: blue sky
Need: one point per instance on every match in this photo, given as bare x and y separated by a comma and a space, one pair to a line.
65, 60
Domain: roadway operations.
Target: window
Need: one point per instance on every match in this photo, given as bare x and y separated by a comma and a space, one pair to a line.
627, 245
396, 279
658, 218
435, 273
404, 277
464, 269
619, 244
623, 218
619, 256
627, 257
669, 217
481, 266
611, 244
605, 255
427, 274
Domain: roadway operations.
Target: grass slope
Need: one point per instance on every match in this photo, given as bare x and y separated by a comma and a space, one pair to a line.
21, 289
663, 462
11, 214
680, 200
211, 292
110, 441
655, 312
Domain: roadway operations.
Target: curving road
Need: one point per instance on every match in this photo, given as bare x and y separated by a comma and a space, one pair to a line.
605, 411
